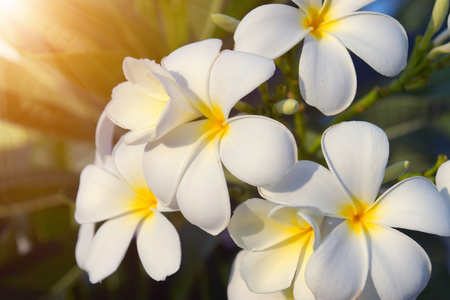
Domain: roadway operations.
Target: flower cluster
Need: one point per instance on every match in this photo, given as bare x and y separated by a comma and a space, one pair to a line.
318, 233
359, 251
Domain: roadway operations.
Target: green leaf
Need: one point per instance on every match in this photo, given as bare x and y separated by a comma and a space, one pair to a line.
404, 114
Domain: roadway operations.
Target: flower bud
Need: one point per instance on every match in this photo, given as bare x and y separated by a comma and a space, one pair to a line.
225, 22
435, 52
438, 17
441, 37
286, 107
439, 13
396, 170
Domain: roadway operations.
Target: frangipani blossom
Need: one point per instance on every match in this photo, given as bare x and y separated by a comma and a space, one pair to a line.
326, 72
117, 193
238, 290
364, 246
279, 240
183, 165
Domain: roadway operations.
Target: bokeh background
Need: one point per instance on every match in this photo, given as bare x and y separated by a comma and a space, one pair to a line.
60, 59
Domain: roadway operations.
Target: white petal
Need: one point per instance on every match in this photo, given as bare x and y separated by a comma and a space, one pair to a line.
400, 268
101, 196
377, 39
270, 30
139, 72
357, 154
109, 246
443, 179
285, 215
339, 8
131, 107
301, 217
166, 159
104, 134
301, 290
273, 269
128, 162
338, 268
203, 194
158, 246
252, 229
109, 166
308, 4
413, 203
237, 288
85, 235
190, 65
257, 150
327, 75
235, 74
314, 217
308, 183
137, 104
179, 93
172, 116
137, 137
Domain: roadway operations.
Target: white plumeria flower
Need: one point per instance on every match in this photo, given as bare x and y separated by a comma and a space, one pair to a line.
279, 239
364, 247
117, 193
184, 165
326, 72
138, 103
238, 290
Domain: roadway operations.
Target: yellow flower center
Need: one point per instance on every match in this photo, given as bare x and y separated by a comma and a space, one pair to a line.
304, 233
143, 199
317, 19
357, 214
216, 119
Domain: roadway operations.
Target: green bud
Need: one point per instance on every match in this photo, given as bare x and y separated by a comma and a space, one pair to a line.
225, 22
396, 170
286, 107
